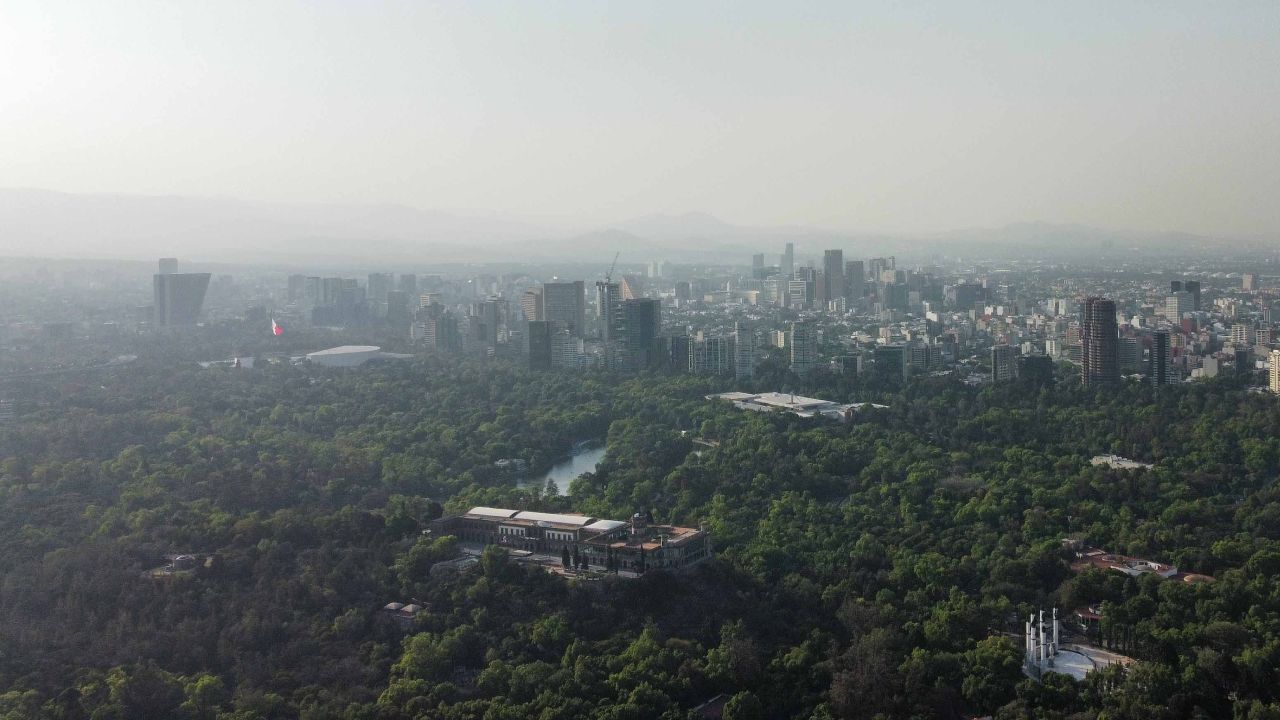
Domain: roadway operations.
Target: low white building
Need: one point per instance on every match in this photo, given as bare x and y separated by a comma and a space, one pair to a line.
352, 356
792, 403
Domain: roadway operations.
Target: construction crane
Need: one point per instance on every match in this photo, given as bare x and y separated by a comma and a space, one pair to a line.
608, 277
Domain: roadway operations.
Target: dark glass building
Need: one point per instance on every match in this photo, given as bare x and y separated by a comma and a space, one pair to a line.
1100, 343
179, 297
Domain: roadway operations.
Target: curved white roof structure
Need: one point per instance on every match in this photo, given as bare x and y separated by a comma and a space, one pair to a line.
557, 518
605, 525
491, 512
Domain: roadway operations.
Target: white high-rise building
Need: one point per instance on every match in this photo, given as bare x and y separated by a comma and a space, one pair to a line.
1275, 372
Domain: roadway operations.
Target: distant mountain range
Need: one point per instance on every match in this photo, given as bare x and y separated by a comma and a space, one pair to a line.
53, 224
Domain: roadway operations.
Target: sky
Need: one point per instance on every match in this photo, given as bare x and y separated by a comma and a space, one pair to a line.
856, 116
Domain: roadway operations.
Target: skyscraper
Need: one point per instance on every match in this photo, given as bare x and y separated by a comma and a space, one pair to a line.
1275, 372
179, 297
1099, 341
833, 274
379, 284
1193, 287
1002, 363
788, 260
493, 315
297, 286
1177, 304
744, 351
539, 344
1129, 354
855, 278
804, 352
436, 329
399, 313
565, 303
1158, 362
409, 284
531, 305
608, 306
641, 320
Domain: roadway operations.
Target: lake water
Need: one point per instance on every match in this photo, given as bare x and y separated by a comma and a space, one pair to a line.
564, 472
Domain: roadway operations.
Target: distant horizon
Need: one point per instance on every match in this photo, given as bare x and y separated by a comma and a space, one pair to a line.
869, 118
560, 227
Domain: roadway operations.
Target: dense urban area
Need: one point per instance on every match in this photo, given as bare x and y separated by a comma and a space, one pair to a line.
800, 485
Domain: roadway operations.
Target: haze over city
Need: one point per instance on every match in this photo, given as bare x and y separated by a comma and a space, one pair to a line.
639, 361
522, 121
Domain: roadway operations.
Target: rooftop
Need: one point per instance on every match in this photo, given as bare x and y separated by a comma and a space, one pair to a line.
557, 518
1119, 463
491, 512
346, 350
792, 403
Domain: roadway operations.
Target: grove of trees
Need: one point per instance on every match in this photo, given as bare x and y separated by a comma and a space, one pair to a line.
872, 569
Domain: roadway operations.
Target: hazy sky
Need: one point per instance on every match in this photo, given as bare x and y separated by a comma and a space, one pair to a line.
904, 116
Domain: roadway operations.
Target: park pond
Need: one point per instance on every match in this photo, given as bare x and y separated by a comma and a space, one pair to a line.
584, 457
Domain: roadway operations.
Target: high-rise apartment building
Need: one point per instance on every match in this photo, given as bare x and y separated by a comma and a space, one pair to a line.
179, 298
1242, 335
1099, 342
804, 350
1130, 354
923, 357
1158, 361
744, 351
1003, 359
1275, 372
1249, 282
531, 305
711, 356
